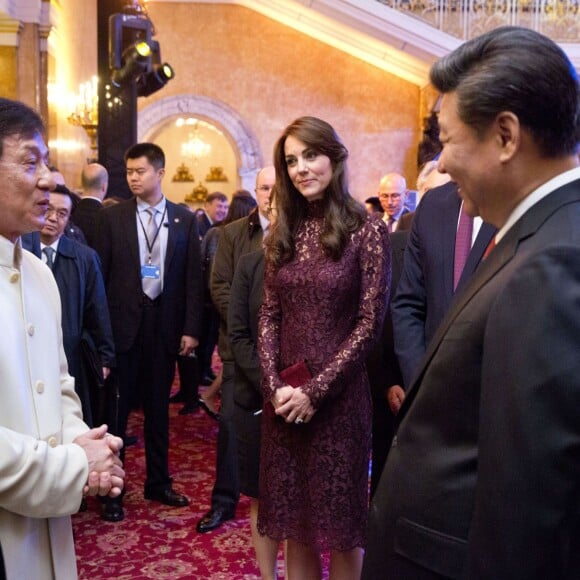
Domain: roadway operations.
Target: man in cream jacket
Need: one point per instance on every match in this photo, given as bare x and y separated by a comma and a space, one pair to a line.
49, 458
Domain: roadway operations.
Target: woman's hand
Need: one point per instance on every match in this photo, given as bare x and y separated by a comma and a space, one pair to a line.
282, 395
297, 408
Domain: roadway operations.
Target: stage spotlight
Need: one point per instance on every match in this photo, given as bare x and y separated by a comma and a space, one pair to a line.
136, 59
155, 80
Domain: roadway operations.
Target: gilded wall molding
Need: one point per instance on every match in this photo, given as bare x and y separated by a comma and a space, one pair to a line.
247, 149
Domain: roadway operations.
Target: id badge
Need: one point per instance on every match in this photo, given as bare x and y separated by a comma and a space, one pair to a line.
150, 271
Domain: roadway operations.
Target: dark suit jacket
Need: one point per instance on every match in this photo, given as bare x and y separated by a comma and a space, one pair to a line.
382, 363
181, 300
384, 372
86, 216
406, 221
425, 290
245, 301
203, 224
85, 314
483, 479
235, 240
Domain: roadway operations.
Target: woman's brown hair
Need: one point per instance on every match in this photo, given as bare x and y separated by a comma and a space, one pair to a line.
343, 214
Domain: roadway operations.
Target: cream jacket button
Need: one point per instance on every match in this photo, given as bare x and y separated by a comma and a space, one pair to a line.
30, 330
39, 387
14, 277
52, 441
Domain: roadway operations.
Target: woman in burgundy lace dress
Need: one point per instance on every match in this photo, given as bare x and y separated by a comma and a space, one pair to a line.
325, 294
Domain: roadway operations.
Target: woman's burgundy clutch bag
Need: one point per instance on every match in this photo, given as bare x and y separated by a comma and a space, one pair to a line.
296, 374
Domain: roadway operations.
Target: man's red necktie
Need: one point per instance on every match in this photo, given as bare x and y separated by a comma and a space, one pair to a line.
462, 245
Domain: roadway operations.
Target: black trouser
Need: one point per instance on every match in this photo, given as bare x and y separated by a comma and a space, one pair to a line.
226, 489
145, 373
2, 569
208, 338
383, 432
189, 378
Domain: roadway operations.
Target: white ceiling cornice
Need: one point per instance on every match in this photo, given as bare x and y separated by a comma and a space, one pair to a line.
375, 33
366, 29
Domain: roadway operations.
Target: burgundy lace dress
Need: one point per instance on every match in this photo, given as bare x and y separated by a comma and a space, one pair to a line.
314, 476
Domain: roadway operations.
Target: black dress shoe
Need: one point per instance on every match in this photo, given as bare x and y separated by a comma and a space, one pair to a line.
179, 397
189, 408
112, 510
83, 507
213, 519
211, 413
206, 381
168, 497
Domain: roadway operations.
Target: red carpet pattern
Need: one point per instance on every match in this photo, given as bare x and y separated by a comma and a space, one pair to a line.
158, 541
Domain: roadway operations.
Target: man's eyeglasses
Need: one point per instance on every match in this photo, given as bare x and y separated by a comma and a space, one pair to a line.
61, 214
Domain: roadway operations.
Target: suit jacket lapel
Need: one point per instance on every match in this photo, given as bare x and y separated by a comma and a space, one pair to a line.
449, 234
130, 226
65, 252
486, 232
65, 247
173, 222
501, 255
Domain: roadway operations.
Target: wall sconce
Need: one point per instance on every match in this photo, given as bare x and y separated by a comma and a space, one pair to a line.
86, 112
183, 174
197, 195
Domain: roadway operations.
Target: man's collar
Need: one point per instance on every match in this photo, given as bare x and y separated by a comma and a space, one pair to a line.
54, 245
536, 196
264, 222
10, 253
254, 220
142, 205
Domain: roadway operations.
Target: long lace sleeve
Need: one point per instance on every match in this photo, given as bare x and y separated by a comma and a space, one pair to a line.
269, 335
327, 313
374, 264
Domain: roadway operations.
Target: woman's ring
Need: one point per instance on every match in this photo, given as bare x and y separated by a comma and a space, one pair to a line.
299, 420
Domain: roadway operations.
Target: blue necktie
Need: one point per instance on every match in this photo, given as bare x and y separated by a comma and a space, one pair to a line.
49, 253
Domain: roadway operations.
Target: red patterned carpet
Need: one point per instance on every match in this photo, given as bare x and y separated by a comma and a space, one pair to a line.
157, 541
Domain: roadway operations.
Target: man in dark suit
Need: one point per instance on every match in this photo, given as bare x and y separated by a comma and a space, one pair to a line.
244, 305
238, 238
85, 315
214, 211
150, 253
385, 377
426, 288
483, 477
94, 181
